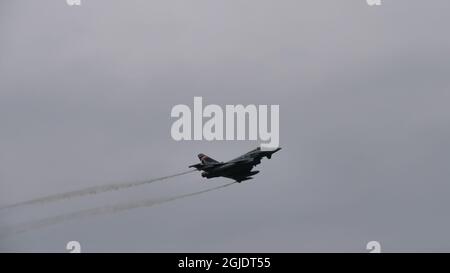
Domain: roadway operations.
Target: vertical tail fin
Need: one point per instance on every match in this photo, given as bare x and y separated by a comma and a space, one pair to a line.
206, 159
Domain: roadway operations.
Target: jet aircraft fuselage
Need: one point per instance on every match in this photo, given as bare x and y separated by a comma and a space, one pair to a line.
238, 169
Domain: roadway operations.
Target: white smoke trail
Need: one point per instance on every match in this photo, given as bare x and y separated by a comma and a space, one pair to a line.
89, 191
98, 211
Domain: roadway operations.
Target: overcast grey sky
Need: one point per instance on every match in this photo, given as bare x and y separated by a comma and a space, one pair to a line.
364, 94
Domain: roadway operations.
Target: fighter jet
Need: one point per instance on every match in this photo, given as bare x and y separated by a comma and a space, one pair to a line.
238, 169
